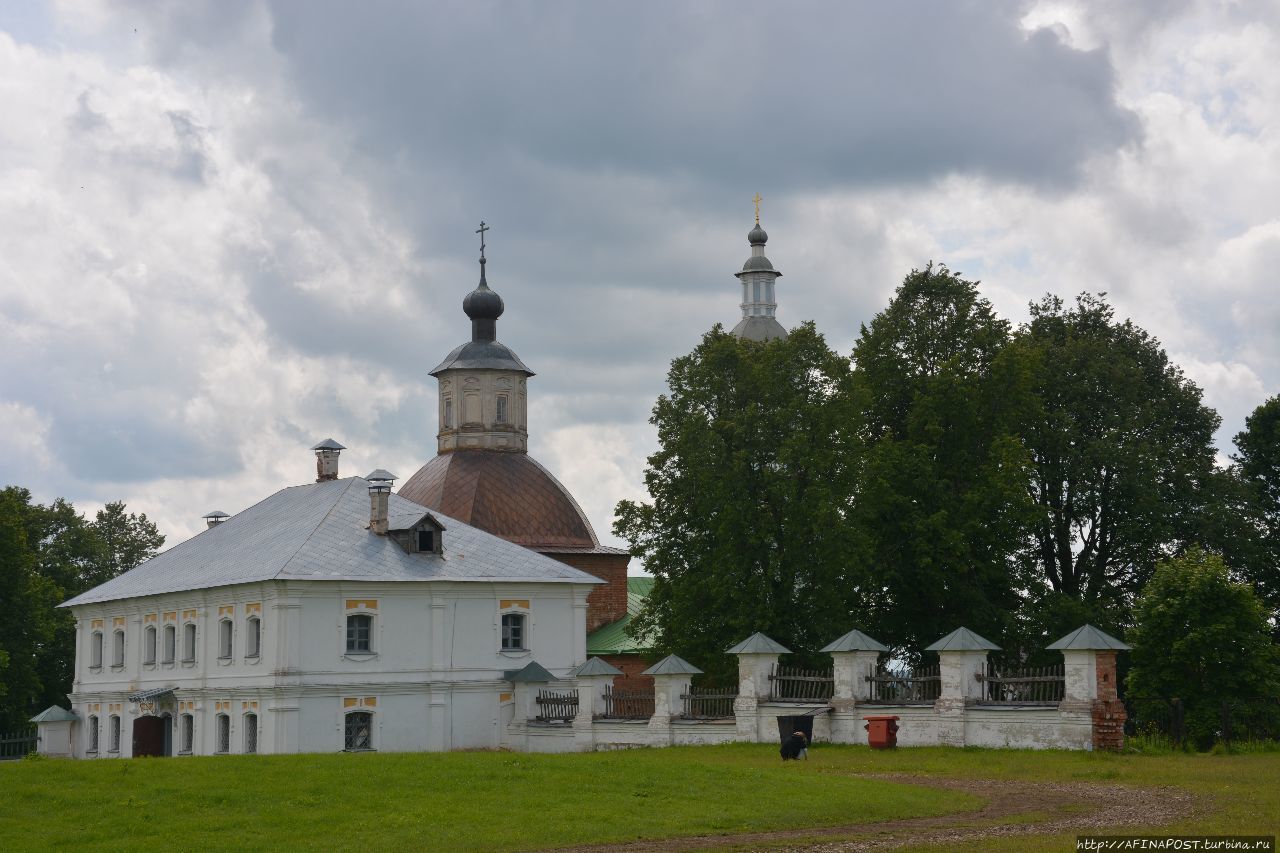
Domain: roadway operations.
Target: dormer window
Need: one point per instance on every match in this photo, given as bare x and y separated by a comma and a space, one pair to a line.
426, 540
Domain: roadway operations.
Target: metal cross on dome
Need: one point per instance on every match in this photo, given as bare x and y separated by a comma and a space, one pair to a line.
483, 228
757, 199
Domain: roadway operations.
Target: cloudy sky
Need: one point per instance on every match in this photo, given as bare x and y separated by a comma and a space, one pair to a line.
230, 229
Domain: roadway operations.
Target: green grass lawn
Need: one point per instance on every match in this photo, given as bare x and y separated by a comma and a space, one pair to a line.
504, 800
478, 800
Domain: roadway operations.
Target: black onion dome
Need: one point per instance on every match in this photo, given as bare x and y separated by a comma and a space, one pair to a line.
482, 303
757, 236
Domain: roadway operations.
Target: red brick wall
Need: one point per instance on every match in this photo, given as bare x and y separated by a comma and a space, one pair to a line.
606, 603
1108, 711
631, 666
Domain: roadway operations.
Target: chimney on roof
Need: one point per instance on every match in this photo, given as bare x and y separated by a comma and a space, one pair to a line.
213, 519
379, 497
327, 459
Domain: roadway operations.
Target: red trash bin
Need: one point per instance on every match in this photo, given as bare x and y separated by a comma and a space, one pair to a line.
882, 732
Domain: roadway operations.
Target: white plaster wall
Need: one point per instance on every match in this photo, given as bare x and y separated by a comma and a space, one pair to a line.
1027, 728
703, 733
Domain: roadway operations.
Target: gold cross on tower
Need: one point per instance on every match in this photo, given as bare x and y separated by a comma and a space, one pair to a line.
483, 228
757, 200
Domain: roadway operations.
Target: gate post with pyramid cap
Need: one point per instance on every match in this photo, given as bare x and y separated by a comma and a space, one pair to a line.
671, 679
962, 657
592, 677
1089, 686
757, 656
854, 657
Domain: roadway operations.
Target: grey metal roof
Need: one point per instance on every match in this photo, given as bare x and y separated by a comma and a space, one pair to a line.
153, 693
856, 641
328, 444
596, 666
54, 714
217, 513
758, 263
408, 520
759, 328
1088, 637
531, 673
962, 640
481, 355
320, 532
672, 665
758, 644
380, 474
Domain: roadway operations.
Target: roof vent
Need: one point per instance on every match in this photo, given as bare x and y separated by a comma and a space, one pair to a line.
327, 459
213, 519
379, 496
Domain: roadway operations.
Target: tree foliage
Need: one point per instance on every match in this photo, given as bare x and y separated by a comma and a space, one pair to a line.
1201, 637
1253, 515
942, 502
49, 554
747, 529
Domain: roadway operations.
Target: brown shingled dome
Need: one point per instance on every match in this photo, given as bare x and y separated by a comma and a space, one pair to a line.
507, 494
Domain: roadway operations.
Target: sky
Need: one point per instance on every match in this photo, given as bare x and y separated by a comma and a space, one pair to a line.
230, 229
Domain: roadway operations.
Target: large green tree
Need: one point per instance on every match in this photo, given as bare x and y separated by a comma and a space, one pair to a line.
1122, 459
941, 500
64, 554
747, 529
1257, 519
1203, 638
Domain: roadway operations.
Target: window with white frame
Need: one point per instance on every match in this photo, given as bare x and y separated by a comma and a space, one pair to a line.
359, 731
501, 409
250, 733
513, 633
359, 633
95, 649
113, 733
186, 733
149, 644
117, 647
170, 643
93, 733
253, 637
222, 729
224, 639
189, 642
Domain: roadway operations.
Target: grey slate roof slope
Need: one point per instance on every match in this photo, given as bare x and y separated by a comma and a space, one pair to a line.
320, 532
1089, 637
596, 666
672, 665
856, 641
963, 640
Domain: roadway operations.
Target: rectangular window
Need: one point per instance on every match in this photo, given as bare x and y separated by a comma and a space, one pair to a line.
95, 649
93, 734
359, 734
250, 733
426, 540
113, 730
253, 638
448, 413
149, 645
224, 639
170, 643
224, 733
117, 648
502, 409
186, 733
189, 642
359, 633
512, 631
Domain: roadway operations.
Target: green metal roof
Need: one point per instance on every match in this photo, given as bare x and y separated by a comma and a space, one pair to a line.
963, 640
533, 672
672, 665
54, 714
856, 641
612, 639
595, 666
1088, 637
758, 644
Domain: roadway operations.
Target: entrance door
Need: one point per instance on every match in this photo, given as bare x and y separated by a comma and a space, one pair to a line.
149, 736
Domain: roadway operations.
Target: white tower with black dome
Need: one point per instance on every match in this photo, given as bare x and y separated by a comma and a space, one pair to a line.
758, 276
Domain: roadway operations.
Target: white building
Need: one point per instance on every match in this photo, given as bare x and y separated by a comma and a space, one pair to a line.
328, 616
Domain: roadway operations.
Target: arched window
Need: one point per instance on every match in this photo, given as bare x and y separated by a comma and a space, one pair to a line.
149, 644
95, 649
224, 639
512, 632
250, 733
253, 637
117, 648
189, 642
113, 733
222, 728
186, 733
360, 633
170, 643
359, 731
93, 733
